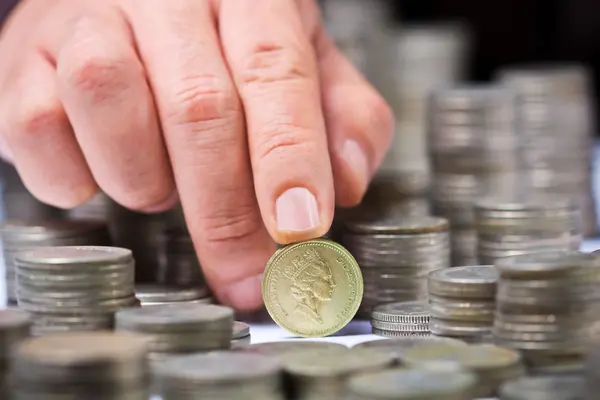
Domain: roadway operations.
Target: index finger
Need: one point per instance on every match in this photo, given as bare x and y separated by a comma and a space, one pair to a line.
274, 68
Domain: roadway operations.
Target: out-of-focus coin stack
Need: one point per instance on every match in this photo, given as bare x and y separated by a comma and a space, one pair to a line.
281, 348
322, 374
462, 301
398, 345
493, 365
150, 294
22, 235
401, 319
474, 150
409, 384
547, 307
395, 253
15, 326
179, 265
179, 328
220, 375
544, 388
241, 335
91, 365
95, 209
592, 374
557, 128
74, 288
509, 228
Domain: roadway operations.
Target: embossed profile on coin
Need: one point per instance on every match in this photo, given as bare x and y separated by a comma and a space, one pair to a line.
312, 283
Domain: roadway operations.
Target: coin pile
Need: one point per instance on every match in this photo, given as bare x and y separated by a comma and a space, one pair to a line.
398, 345
74, 288
462, 301
493, 365
220, 375
21, 235
396, 252
179, 328
547, 307
179, 265
474, 150
15, 326
410, 384
153, 294
281, 348
90, 365
544, 388
410, 318
558, 129
241, 335
322, 374
508, 228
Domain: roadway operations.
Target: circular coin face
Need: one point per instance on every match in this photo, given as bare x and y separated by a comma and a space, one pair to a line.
312, 288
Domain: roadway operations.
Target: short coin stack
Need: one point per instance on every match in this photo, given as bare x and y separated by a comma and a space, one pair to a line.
547, 307
179, 265
322, 374
396, 253
474, 149
153, 294
241, 334
74, 288
220, 375
509, 228
15, 326
544, 388
493, 365
462, 301
179, 328
90, 365
398, 345
410, 384
21, 235
401, 319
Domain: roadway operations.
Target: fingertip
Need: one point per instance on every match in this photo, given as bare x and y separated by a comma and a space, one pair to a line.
244, 295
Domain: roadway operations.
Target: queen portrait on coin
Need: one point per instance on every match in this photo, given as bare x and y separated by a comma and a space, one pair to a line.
312, 284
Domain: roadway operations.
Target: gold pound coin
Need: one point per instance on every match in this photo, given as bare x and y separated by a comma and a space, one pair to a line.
312, 288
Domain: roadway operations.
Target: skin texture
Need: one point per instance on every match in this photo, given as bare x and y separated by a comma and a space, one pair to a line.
224, 105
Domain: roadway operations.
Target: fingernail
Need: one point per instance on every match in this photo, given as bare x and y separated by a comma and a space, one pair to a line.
297, 210
357, 160
245, 294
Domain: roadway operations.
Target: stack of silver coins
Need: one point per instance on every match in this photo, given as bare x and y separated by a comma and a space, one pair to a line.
74, 288
491, 364
474, 150
547, 307
396, 252
545, 388
179, 263
241, 335
558, 128
150, 294
15, 326
95, 209
179, 328
508, 227
592, 374
412, 384
404, 319
323, 374
398, 345
220, 375
462, 301
22, 235
91, 365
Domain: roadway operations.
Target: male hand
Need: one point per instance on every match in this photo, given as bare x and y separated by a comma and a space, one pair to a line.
242, 109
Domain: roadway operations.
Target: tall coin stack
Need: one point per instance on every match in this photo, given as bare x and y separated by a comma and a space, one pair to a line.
220, 375
152, 294
509, 228
21, 235
462, 301
15, 326
395, 254
405, 319
547, 307
558, 128
179, 265
474, 150
74, 288
91, 365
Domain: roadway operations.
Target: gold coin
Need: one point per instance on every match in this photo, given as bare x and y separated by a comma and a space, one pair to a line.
312, 288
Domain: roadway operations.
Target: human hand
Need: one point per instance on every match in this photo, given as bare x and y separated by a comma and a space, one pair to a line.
242, 109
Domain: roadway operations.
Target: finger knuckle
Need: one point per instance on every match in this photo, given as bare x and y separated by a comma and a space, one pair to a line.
271, 62
35, 118
279, 141
202, 100
140, 199
229, 225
